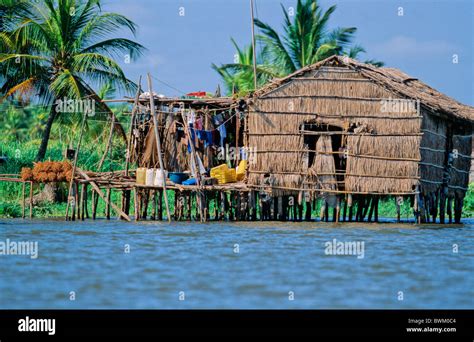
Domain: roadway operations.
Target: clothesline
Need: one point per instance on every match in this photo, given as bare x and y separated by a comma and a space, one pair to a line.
217, 128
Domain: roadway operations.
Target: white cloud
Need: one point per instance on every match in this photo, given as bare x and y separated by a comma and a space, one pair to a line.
408, 47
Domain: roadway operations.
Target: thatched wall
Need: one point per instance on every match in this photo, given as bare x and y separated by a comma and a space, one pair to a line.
459, 172
441, 138
339, 97
433, 152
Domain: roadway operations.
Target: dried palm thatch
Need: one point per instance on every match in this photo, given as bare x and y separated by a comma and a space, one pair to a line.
390, 149
391, 79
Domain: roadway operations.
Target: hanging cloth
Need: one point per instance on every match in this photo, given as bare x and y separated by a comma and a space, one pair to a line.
192, 140
223, 133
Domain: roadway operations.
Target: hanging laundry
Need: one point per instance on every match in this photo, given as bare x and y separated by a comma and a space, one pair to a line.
216, 138
198, 123
191, 117
223, 133
193, 139
218, 119
205, 136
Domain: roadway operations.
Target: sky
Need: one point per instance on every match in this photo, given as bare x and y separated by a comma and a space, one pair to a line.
181, 48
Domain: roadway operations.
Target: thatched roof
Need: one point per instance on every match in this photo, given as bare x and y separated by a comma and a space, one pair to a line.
394, 80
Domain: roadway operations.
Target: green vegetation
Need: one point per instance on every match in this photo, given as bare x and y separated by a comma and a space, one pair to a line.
57, 49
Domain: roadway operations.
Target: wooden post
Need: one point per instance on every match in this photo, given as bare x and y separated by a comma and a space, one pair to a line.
398, 209
107, 204
194, 164
99, 192
338, 209
31, 199
83, 188
145, 203
350, 205
75, 162
77, 202
160, 205
458, 202
135, 203
23, 200
153, 205
436, 197
371, 210
442, 205
132, 120
308, 210
158, 144
450, 209
376, 210
94, 205
254, 205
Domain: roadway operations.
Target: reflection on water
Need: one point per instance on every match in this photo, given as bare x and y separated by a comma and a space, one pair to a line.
236, 265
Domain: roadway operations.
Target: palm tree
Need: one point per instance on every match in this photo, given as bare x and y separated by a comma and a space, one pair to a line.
60, 48
306, 39
238, 76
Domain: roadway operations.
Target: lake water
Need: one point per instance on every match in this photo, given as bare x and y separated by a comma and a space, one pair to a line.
113, 264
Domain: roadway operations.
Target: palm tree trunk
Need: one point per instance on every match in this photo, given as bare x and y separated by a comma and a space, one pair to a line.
46, 133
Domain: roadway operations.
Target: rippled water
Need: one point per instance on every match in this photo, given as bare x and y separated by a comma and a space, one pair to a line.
199, 261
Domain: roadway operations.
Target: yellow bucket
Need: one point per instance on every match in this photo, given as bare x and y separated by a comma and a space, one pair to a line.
141, 176
241, 170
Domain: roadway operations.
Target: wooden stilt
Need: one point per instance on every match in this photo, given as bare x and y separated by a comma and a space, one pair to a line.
31, 199
376, 209
160, 205
344, 211
107, 204
135, 204
442, 206
74, 164
372, 207
86, 198
94, 205
83, 188
450, 209
458, 202
23, 200
146, 201
158, 144
308, 211
338, 210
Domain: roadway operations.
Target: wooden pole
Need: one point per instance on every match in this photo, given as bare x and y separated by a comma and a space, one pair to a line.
158, 145
83, 190
194, 164
132, 120
23, 201
99, 192
107, 204
253, 48
135, 204
75, 163
31, 200
442, 205
94, 205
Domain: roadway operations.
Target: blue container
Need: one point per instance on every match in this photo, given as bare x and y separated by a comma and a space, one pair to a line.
190, 181
178, 177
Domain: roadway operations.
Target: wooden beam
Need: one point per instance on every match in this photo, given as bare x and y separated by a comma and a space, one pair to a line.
158, 145
99, 192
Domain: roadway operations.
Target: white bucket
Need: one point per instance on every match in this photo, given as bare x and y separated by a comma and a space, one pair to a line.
159, 177
150, 176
